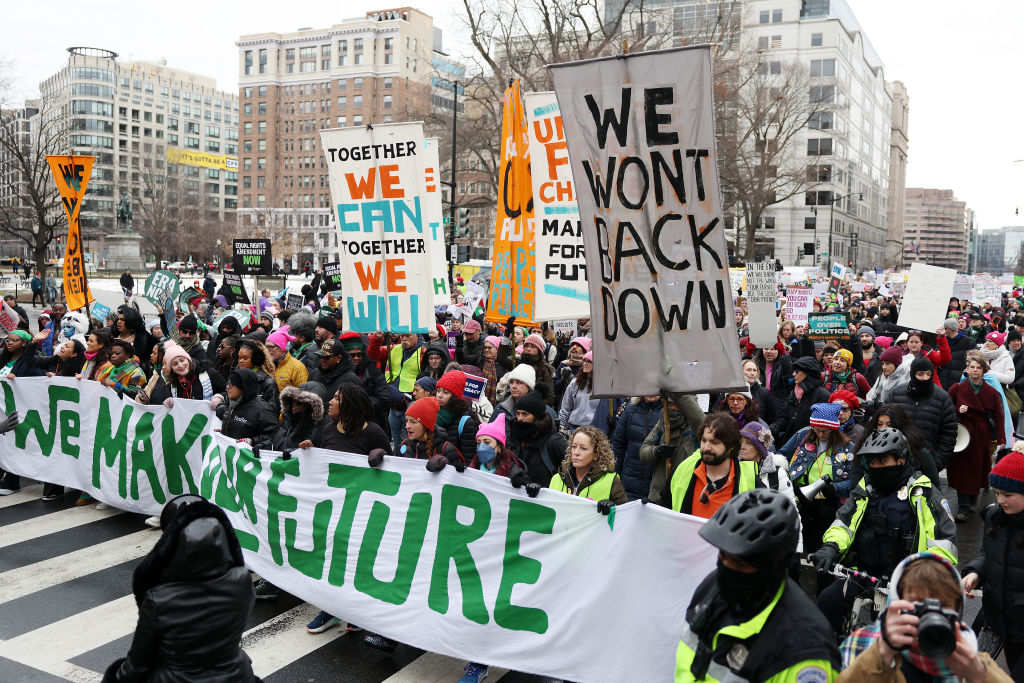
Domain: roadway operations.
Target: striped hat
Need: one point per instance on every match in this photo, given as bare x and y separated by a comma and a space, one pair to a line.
825, 415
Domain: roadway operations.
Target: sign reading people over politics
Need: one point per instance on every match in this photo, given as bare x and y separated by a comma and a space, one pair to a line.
822, 326
236, 287
252, 257
641, 136
379, 192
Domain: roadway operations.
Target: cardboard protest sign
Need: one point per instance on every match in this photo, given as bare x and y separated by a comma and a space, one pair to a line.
798, 303
561, 277
435, 221
565, 327
160, 286
252, 257
100, 311
836, 277
641, 135
474, 387
962, 286
71, 173
927, 297
234, 282
822, 326
243, 318
295, 301
332, 273
513, 266
379, 191
762, 294
9, 318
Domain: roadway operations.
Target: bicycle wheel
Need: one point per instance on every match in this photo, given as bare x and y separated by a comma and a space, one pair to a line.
988, 641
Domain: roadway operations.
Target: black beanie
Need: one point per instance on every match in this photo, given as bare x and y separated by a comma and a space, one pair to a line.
188, 323
533, 403
1013, 335
328, 323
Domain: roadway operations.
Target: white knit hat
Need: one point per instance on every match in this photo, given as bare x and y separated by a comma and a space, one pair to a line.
525, 374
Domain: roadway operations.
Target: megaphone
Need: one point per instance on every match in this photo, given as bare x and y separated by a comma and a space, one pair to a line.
813, 489
963, 438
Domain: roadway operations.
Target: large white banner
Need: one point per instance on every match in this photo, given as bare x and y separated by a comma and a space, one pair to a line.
762, 295
926, 299
561, 279
435, 220
460, 564
379, 192
641, 137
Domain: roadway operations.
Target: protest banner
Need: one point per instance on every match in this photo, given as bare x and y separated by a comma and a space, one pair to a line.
736, 276
824, 326
798, 303
160, 286
252, 257
475, 294
927, 297
461, 564
332, 273
295, 301
762, 295
243, 317
474, 387
640, 129
818, 290
100, 311
836, 277
561, 277
962, 286
434, 214
71, 173
236, 287
513, 266
379, 192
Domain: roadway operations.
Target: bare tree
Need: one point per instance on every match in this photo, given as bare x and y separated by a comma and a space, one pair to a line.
167, 205
32, 210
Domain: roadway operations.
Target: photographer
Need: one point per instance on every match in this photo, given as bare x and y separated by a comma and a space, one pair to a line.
921, 635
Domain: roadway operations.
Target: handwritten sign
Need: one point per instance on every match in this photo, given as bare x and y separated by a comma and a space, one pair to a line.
927, 296
100, 311
798, 303
762, 294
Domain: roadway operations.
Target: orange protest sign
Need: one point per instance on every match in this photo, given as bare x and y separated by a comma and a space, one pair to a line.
514, 263
71, 173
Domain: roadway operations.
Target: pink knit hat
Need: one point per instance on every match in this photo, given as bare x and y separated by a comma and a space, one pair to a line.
537, 341
172, 351
883, 341
997, 338
495, 430
280, 338
583, 342
493, 341
589, 355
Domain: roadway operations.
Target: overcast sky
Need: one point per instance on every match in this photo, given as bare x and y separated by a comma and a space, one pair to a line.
961, 67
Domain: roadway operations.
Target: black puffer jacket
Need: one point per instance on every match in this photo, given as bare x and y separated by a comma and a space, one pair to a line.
251, 417
297, 427
935, 416
343, 373
953, 371
635, 423
797, 412
194, 596
538, 445
1000, 570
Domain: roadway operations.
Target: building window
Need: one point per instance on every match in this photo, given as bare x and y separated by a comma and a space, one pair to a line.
263, 61
776, 42
823, 67
192, 143
776, 16
821, 120
261, 127
307, 53
341, 121
389, 58
342, 101
815, 40
762, 43
387, 83
289, 53
261, 145
307, 67
763, 17
247, 109
819, 173
816, 146
325, 64
261, 91
822, 93
261, 108
357, 83
357, 58
325, 50
769, 222
357, 101
810, 223
387, 101
247, 146
818, 198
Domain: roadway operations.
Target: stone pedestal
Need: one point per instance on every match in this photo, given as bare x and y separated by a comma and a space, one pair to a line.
124, 250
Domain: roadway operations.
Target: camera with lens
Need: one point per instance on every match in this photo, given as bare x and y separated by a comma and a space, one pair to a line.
936, 628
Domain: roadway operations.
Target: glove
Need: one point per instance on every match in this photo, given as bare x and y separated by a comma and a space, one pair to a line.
376, 457
605, 507
510, 325
518, 480
532, 489
665, 450
824, 558
9, 422
460, 466
286, 454
565, 371
436, 463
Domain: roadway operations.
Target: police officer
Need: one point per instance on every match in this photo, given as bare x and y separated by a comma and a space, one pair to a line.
748, 621
893, 512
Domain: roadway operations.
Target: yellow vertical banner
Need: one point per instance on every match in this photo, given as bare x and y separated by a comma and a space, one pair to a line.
71, 173
514, 263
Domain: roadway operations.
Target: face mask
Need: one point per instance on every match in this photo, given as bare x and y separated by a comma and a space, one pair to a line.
740, 588
888, 479
485, 454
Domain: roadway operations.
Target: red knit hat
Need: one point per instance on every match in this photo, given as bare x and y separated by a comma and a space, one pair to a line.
847, 397
425, 410
1008, 474
454, 381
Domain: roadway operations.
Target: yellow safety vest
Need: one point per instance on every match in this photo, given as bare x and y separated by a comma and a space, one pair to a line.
407, 372
684, 473
597, 490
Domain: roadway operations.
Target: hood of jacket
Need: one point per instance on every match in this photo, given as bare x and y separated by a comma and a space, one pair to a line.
440, 348
310, 394
249, 383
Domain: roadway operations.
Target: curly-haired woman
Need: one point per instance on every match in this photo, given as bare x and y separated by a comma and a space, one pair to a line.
588, 469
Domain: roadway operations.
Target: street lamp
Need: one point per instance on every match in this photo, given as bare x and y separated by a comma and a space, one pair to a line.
832, 205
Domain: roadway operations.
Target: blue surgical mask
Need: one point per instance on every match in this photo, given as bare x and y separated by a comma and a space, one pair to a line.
485, 454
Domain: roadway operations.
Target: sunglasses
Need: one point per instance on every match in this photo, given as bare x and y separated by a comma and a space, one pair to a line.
711, 489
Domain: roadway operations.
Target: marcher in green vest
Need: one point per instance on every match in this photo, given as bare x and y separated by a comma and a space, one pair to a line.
588, 469
747, 620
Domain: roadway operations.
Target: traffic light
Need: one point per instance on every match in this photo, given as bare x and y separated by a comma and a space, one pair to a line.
462, 224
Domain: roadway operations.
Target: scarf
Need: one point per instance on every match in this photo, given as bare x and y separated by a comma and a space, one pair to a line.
90, 356
491, 375
798, 391
991, 354
861, 639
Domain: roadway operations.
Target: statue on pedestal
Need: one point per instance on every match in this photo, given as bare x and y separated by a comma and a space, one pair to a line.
124, 212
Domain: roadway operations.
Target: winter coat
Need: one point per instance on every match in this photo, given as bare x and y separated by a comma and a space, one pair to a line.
26, 366
469, 352
538, 445
161, 390
683, 437
465, 440
968, 470
251, 417
194, 596
635, 423
377, 389
953, 371
855, 383
411, 448
765, 403
290, 373
873, 368
935, 416
617, 495
1018, 369
437, 348
1000, 570
577, 407
342, 373
1001, 364
297, 427
235, 330
780, 386
800, 409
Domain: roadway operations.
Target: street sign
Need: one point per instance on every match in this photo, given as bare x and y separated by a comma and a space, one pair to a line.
447, 220
455, 254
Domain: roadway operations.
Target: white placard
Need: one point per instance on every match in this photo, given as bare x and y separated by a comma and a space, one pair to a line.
926, 297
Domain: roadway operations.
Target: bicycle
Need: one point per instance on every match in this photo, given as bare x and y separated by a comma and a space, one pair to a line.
869, 602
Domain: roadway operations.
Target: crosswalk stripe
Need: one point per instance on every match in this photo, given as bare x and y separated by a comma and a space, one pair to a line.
282, 640
65, 639
434, 668
26, 494
61, 520
16, 583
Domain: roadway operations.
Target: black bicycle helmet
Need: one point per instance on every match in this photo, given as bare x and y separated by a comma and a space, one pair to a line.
885, 441
761, 522
175, 505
